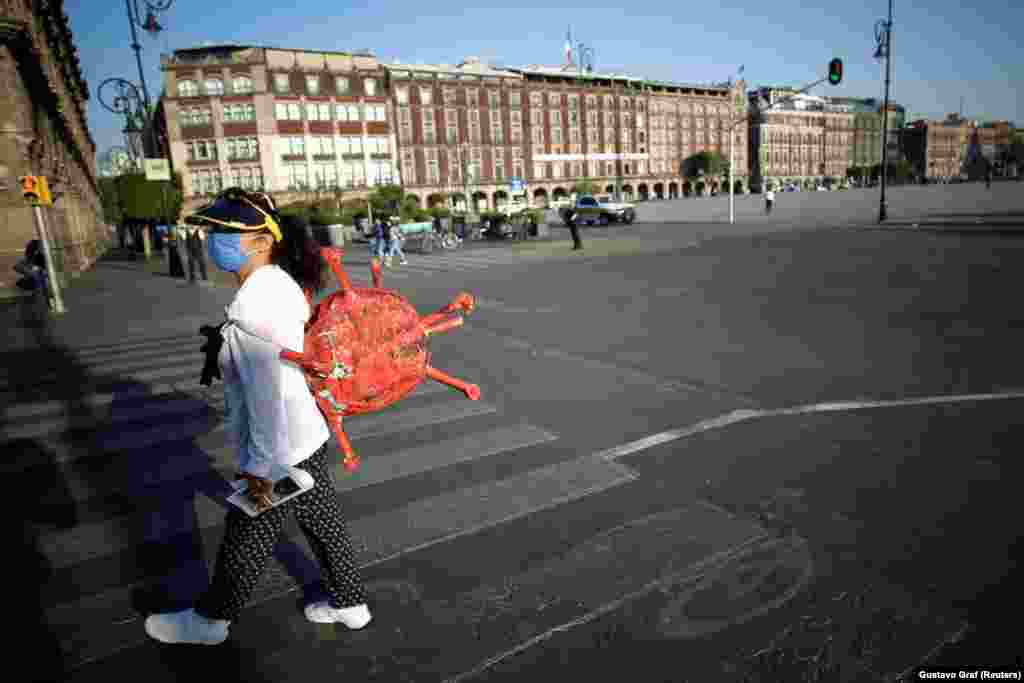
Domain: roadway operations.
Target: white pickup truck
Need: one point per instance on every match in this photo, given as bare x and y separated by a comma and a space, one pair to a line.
601, 211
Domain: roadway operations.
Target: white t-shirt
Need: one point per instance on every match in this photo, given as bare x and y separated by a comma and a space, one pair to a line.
272, 416
770, 195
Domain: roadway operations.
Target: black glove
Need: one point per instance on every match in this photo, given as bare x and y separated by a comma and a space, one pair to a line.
214, 340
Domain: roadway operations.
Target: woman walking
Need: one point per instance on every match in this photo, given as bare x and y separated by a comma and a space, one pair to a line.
273, 419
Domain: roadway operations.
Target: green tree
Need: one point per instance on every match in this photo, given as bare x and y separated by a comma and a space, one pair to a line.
705, 163
113, 212
150, 201
586, 187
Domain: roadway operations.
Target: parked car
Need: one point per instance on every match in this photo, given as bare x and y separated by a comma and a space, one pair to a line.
589, 210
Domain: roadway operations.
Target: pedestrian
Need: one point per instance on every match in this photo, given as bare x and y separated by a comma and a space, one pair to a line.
988, 179
32, 266
769, 200
570, 220
384, 248
395, 245
273, 419
175, 251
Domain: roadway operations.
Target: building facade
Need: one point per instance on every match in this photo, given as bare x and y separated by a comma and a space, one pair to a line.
43, 131
803, 139
941, 150
281, 120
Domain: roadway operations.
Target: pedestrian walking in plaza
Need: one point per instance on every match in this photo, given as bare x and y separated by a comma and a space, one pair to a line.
769, 200
196, 256
175, 251
273, 419
395, 245
385, 241
573, 229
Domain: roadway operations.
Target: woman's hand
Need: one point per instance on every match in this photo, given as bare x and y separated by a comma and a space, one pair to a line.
258, 491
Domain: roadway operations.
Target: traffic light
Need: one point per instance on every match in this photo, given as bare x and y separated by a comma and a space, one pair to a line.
835, 71
35, 189
29, 187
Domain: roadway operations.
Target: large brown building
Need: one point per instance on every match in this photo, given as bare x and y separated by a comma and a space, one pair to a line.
282, 120
468, 130
294, 120
43, 131
805, 139
954, 146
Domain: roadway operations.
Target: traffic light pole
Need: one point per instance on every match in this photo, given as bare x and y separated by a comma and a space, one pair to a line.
51, 270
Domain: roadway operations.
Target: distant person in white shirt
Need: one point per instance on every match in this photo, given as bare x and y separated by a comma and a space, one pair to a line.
272, 418
769, 199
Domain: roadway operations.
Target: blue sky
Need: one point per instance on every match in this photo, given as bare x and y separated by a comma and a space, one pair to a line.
943, 50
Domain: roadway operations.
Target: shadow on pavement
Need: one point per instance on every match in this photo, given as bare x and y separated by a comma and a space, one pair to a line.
110, 484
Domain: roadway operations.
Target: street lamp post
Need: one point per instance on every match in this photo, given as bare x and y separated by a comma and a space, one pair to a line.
883, 38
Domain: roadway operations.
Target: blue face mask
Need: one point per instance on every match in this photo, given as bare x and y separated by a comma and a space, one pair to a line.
225, 250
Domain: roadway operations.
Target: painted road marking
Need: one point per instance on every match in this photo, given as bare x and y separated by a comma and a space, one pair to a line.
719, 422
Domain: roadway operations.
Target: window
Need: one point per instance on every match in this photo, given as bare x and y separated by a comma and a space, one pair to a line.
609, 119
295, 145
194, 117
239, 112
214, 86
515, 98
281, 111
325, 176
574, 118
452, 124
591, 101
312, 112
298, 176
281, 83
499, 166
370, 86
408, 168
247, 178
241, 148
537, 117
241, 84
187, 89
294, 111
574, 136
556, 169
497, 134
426, 96
353, 174
433, 170
341, 85
592, 136
493, 99
640, 105
537, 136
556, 118
609, 102
573, 102
347, 112
472, 97
428, 126
556, 136
313, 85
449, 95
201, 150
206, 181
379, 111
536, 99
351, 145
538, 171
322, 145
517, 163
554, 99
591, 118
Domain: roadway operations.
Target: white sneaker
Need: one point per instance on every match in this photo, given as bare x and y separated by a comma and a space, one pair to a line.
322, 613
404, 262
187, 627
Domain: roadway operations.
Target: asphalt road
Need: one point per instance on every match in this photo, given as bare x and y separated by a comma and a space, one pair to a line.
764, 517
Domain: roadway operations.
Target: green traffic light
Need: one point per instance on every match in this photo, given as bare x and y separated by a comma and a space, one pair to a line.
835, 71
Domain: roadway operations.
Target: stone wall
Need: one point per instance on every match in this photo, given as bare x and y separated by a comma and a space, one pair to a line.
32, 143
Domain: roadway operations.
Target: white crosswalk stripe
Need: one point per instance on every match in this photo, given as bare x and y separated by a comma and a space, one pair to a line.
137, 449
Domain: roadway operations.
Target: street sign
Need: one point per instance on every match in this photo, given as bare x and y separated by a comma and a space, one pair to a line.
158, 169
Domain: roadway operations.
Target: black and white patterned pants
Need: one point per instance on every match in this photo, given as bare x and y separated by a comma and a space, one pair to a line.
249, 542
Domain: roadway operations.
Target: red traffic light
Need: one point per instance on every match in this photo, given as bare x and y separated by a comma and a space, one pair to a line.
835, 71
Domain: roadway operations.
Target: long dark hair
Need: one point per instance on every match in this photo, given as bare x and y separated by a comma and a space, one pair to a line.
299, 255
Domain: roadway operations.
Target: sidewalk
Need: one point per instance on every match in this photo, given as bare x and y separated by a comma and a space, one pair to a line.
118, 297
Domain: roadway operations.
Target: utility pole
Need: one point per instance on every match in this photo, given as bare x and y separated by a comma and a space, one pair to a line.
883, 33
